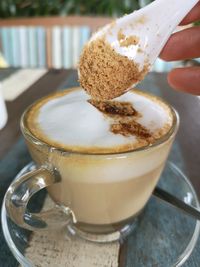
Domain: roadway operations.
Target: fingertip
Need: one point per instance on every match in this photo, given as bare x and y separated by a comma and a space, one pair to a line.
171, 78
164, 56
185, 80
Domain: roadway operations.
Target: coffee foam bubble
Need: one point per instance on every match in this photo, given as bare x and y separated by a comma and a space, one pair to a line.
69, 121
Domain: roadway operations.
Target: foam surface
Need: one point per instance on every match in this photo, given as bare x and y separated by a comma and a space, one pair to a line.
71, 121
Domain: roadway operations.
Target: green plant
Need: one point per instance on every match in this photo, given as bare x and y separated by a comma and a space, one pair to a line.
30, 8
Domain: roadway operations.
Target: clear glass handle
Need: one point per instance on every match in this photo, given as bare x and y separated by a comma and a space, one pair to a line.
19, 194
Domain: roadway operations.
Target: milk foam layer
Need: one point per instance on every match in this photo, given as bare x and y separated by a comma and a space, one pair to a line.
68, 120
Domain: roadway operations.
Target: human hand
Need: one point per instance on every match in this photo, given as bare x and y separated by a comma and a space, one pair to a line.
185, 45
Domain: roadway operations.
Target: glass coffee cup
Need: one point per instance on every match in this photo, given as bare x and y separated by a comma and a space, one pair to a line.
97, 195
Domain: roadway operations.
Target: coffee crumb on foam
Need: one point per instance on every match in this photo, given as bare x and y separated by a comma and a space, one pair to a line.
104, 73
125, 122
114, 107
130, 127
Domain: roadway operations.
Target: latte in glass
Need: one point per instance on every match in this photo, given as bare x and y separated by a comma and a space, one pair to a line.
107, 172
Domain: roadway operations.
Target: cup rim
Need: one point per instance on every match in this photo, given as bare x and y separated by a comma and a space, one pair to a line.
30, 136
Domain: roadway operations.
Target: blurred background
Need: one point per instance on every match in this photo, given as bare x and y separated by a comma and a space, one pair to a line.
27, 8
51, 34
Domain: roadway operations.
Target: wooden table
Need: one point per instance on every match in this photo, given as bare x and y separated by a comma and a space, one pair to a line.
188, 107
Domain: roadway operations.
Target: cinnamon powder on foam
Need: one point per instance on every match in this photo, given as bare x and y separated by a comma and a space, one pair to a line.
124, 121
104, 73
123, 117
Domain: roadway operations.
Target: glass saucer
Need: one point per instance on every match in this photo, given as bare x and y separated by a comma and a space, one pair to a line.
164, 235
